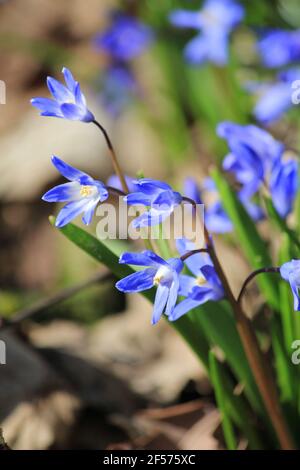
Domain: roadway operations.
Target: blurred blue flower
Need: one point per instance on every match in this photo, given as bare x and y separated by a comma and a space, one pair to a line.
274, 99
284, 186
253, 152
214, 22
279, 47
216, 219
118, 89
68, 103
290, 272
125, 39
203, 286
160, 273
157, 195
82, 194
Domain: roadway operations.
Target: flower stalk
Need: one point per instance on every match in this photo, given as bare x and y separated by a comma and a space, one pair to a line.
259, 366
113, 156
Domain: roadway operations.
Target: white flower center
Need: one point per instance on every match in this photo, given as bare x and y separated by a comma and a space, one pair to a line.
163, 275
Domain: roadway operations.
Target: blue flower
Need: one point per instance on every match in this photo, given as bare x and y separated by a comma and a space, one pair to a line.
82, 194
160, 273
274, 99
279, 47
253, 152
125, 39
118, 89
68, 103
284, 186
290, 272
204, 286
214, 22
157, 195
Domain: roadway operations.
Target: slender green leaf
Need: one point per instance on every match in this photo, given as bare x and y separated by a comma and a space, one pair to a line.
228, 430
281, 224
217, 322
251, 242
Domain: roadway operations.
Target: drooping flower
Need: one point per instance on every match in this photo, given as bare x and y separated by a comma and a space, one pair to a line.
279, 47
253, 153
214, 22
125, 39
274, 98
68, 100
284, 186
290, 272
118, 89
158, 196
160, 273
202, 287
82, 194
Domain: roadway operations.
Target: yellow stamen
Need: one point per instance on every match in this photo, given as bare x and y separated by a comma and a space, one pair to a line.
86, 191
200, 281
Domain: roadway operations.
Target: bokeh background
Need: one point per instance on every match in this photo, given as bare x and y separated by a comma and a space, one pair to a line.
91, 372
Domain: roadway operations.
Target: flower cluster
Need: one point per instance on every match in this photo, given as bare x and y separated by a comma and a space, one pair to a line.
256, 159
202, 286
214, 24
125, 39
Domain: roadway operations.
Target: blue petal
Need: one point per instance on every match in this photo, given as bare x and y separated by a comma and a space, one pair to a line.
167, 199
137, 282
187, 283
47, 107
204, 294
210, 274
184, 307
150, 186
69, 212
151, 218
192, 190
58, 91
273, 103
137, 198
79, 97
146, 258
62, 193
295, 291
89, 212
75, 113
161, 299
69, 79
185, 19
196, 51
68, 171
194, 262
173, 294
285, 270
